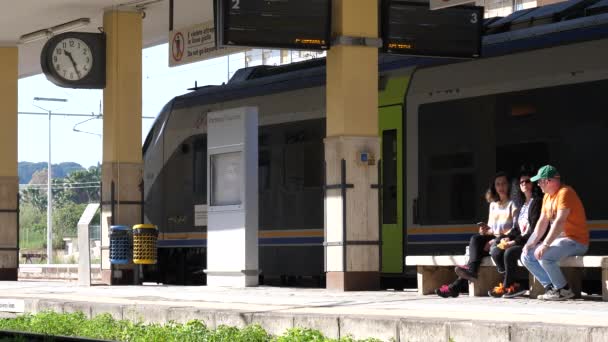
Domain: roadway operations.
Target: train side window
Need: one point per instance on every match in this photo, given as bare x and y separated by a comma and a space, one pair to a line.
462, 143
303, 166
264, 168
457, 154
450, 189
389, 176
462, 195
293, 166
302, 159
200, 167
313, 162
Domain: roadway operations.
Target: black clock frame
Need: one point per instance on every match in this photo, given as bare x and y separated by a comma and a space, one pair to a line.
95, 79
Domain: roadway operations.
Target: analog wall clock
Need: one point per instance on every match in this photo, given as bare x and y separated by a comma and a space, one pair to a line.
75, 60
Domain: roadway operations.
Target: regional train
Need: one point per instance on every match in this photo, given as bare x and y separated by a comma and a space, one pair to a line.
538, 95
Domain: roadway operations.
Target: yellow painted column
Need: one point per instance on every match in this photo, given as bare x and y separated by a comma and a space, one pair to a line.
351, 226
9, 180
122, 156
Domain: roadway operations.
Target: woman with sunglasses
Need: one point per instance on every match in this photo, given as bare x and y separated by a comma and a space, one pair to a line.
500, 220
507, 251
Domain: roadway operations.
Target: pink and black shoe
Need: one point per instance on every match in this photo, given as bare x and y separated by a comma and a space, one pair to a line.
446, 291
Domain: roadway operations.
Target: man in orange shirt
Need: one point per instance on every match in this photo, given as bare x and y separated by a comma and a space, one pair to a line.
563, 213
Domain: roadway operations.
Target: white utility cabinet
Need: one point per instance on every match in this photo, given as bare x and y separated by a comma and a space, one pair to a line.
232, 197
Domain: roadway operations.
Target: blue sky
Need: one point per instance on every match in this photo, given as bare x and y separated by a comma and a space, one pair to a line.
160, 84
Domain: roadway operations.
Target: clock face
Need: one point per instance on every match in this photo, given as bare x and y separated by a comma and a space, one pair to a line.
75, 60
72, 59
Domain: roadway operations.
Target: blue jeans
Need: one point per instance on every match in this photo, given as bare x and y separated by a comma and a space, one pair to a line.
547, 269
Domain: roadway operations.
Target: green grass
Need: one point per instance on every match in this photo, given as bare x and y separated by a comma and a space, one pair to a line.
105, 327
31, 239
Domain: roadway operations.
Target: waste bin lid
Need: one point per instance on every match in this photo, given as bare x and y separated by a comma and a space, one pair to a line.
119, 227
144, 226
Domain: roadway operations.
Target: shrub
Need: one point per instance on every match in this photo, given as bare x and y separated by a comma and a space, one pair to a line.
104, 326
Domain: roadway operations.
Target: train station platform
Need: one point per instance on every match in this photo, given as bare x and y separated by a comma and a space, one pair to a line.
396, 315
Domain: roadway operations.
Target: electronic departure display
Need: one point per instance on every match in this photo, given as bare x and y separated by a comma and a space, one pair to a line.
411, 28
289, 24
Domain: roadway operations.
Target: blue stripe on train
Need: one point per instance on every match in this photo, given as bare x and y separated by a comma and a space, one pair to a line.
599, 234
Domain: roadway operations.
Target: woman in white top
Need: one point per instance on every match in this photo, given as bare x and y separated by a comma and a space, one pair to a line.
526, 195
500, 221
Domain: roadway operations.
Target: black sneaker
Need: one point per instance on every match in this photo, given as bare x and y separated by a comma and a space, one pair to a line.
446, 291
514, 291
497, 291
464, 273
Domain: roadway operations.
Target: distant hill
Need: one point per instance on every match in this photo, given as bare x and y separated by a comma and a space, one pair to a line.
27, 169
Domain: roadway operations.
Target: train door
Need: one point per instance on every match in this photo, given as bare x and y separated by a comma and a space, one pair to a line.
390, 115
392, 183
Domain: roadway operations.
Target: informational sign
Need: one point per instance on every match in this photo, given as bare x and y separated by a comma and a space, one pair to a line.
195, 43
288, 24
200, 215
12, 305
437, 4
227, 176
411, 28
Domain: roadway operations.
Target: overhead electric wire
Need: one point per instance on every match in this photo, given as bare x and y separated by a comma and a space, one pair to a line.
77, 185
81, 131
73, 114
64, 187
44, 184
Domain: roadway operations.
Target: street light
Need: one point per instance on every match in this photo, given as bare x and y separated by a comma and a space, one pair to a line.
49, 201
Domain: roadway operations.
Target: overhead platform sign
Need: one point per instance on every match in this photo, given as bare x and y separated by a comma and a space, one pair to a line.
284, 24
411, 28
437, 4
195, 43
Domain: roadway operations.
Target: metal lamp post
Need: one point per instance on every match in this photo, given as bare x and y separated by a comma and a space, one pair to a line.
49, 205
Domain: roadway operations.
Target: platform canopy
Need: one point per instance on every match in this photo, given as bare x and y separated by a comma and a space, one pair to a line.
23, 17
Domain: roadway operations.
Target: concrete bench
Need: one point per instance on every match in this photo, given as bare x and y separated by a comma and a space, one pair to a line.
435, 270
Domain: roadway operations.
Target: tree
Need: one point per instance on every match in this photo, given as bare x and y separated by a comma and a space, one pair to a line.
81, 186
32, 227
35, 197
70, 196
65, 222
91, 179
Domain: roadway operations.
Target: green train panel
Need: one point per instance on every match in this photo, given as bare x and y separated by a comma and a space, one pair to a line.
390, 116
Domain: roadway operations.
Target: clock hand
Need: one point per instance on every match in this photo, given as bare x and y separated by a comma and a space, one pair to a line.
69, 54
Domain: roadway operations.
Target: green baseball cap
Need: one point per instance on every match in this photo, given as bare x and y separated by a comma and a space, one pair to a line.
545, 172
